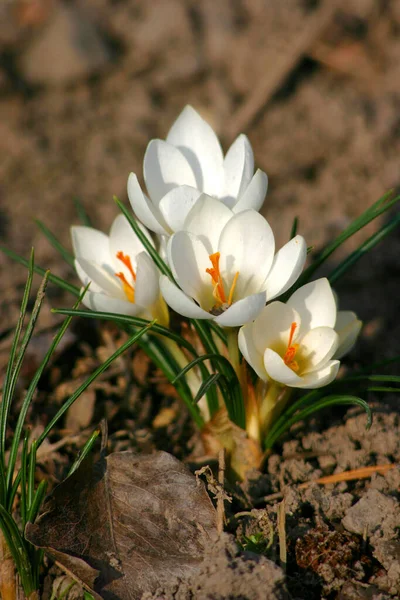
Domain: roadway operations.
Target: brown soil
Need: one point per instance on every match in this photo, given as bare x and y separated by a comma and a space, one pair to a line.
315, 85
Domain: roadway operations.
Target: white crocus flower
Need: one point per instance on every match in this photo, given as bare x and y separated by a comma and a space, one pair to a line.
226, 266
347, 326
293, 344
123, 278
191, 162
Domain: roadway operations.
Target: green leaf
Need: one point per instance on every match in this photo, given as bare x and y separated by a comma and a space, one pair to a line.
37, 500
127, 320
19, 360
372, 241
18, 549
9, 381
61, 283
293, 232
206, 385
85, 451
229, 385
374, 211
334, 400
135, 338
65, 254
24, 469
29, 396
155, 353
81, 212
163, 359
163, 267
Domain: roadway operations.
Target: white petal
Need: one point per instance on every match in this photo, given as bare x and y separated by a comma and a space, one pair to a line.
206, 220
317, 348
315, 304
238, 168
321, 377
253, 197
165, 167
242, 312
250, 352
347, 327
176, 204
104, 303
189, 260
247, 246
272, 327
278, 371
123, 238
85, 279
144, 209
147, 281
200, 146
180, 302
90, 243
286, 268
103, 278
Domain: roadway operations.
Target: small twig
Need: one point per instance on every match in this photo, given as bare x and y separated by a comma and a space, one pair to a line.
282, 534
361, 473
216, 488
220, 498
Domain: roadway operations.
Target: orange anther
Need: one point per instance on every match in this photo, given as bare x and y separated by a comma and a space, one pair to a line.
219, 292
126, 260
289, 356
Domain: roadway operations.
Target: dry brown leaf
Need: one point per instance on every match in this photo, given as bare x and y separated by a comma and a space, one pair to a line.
127, 524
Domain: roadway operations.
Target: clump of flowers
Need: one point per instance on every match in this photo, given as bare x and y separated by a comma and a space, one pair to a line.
264, 341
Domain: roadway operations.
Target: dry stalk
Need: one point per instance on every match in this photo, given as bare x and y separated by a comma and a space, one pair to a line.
282, 534
8, 588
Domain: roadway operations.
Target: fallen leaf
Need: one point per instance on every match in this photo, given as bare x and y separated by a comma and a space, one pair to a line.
127, 524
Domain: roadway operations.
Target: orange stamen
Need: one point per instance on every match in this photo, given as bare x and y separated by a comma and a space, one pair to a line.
219, 292
291, 350
126, 260
129, 290
231, 291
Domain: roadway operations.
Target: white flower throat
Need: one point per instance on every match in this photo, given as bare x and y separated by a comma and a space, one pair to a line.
128, 288
223, 301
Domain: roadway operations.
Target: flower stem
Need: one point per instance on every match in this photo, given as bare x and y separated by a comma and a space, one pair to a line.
234, 356
272, 405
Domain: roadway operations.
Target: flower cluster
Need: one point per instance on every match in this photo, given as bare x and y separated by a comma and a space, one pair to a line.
203, 209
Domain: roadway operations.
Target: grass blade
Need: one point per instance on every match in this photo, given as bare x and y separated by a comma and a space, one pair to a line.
163, 267
28, 398
372, 241
85, 451
37, 500
325, 402
135, 338
19, 360
18, 549
127, 320
24, 468
382, 205
206, 385
82, 214
61, 283
295, 225
163, 359
65, 254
